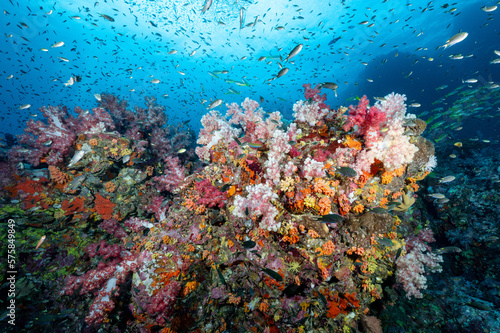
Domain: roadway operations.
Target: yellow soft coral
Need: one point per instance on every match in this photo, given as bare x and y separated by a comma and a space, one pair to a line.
359, 208
287, 184
386, 177
309, 201
126, 152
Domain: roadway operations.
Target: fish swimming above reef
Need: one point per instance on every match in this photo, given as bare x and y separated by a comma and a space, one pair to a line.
70, 82
333, 41
456, 39
207, 5
107, 17
58, 44
330, 85
437, 195
294, 52
282, 72
447, 179
214, 104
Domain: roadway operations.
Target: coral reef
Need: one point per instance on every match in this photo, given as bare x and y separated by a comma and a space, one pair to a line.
284, 228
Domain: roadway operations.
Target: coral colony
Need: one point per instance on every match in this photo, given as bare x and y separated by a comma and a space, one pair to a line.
275, 227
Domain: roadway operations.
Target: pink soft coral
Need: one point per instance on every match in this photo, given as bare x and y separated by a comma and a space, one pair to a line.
258, 203
54, 139
172, 175
367, 120
315, 94
312, 169
104, 280
411, 267
309, 112
392, 147
278, 148
215, 129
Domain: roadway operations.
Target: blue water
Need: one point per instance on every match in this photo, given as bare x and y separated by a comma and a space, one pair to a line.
126, 54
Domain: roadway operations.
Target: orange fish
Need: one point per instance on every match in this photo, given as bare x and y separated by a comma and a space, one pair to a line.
40, 242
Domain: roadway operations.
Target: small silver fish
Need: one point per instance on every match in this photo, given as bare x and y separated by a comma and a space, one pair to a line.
447, 179
437, 195
443, 201
40, 242
76, 158
456, 39
58, 44
214, 104
330, 85
282, 72
208, 3
489, 8
77, 181
294, 52
448, 249
70, 82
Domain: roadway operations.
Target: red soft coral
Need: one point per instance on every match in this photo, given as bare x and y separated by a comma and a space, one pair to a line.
210, 196
74, 206
104, 207
367, 120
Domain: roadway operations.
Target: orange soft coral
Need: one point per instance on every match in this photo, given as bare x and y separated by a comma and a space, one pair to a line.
328, 248
321, 186
352, 143
324, 205
110, 187
57, 175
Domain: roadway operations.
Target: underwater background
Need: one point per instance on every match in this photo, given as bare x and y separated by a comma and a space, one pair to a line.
249, 166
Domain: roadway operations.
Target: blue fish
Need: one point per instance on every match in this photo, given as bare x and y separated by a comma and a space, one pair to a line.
333, 41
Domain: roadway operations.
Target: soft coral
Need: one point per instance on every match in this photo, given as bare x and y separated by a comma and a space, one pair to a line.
367, 120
